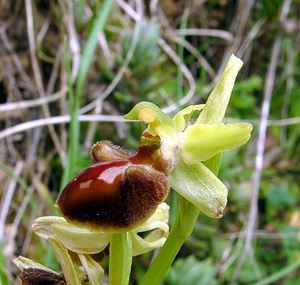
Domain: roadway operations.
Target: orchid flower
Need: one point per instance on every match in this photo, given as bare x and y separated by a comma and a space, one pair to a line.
122, 194
190, 145
67, 238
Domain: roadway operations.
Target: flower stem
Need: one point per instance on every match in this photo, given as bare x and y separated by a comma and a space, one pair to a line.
120, 258
183, 226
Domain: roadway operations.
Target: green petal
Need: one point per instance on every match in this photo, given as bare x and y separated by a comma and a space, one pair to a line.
200, 186
218, 99
159, 124
93, 269
158, 226
65, 261
79, 240
203, 141
182, 117
143, 245
150, 114
159, 218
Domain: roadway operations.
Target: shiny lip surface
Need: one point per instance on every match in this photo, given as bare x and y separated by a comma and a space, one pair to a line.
116, 194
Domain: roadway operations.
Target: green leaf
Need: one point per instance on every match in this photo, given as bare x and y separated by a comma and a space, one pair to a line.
190, 271
3, 267
203, 141
200, 186
280, 197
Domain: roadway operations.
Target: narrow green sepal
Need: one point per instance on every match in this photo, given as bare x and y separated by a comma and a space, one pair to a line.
74, 238
200, 186
150, 114
218, 99
203, 141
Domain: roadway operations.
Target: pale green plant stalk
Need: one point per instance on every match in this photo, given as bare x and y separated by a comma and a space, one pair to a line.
120, 258
184, 223
3, 266
187, 214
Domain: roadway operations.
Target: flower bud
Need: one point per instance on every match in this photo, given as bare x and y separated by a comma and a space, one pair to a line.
34, 273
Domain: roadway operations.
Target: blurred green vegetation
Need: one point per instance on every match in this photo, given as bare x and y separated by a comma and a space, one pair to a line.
211, 254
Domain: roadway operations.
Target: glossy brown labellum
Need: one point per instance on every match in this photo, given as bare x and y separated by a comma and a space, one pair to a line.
116, 195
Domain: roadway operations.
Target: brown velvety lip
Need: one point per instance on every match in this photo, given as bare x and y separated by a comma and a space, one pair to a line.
113, 196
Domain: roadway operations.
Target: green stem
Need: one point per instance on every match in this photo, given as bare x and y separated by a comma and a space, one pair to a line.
279, 274
85, 62
187, 214
185, 221
184, 224
3, 267
120, 258
10, 172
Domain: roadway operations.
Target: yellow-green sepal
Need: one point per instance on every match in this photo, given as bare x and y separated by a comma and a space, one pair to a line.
218, 99
159, 122
197, 184
150, 114
25, 263
65, 261
203, 141
74, 238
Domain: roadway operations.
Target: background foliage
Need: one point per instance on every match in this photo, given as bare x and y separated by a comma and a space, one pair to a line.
168, 52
